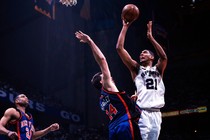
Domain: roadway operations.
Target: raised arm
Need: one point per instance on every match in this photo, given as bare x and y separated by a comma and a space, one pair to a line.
162, 61
124, 55
41, 133
9, 114
100, 59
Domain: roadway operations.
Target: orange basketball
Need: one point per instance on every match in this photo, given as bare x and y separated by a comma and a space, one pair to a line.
130, 12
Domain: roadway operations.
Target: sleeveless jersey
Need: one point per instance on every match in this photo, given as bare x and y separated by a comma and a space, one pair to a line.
118, 106
150, 88
23, 126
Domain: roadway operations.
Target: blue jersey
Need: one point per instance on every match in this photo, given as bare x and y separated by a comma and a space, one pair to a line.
23, 126
123, 114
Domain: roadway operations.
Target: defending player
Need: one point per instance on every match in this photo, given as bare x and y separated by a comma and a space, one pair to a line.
116, 104
18, 125
148, 81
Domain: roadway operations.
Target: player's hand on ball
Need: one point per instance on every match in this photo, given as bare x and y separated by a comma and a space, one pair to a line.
126, 23
130, 13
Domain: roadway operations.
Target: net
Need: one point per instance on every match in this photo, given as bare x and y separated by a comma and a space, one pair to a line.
68, 2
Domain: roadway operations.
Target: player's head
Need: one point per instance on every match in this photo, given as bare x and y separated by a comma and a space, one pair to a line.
146, 55
21, 100
96, 80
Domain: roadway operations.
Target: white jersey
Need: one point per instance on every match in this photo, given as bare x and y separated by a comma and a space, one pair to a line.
150, 88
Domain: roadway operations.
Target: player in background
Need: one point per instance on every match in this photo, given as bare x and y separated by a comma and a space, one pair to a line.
148, 79
119, 107
18, 125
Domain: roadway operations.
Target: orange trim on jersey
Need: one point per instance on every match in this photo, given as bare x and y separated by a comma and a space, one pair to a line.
132, 131
129, 116
111, 92
18, 131
17, 124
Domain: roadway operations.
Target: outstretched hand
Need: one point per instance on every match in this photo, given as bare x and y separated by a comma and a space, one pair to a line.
82, 36
54, 127
149, 30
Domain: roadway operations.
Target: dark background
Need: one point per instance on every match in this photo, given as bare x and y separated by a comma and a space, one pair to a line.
41, 56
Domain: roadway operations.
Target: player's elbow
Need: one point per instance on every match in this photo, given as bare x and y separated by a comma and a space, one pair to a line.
119, 45
102, 59
119, 48
165, 58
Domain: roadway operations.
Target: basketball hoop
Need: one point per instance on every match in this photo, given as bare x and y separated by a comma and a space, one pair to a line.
68, 2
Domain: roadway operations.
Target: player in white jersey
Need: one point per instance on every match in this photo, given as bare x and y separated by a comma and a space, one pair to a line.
148, 80
150, 88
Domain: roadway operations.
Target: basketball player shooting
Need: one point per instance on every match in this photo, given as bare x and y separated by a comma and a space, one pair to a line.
148, 81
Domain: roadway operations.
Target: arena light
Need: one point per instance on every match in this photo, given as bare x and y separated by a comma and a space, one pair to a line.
68, 2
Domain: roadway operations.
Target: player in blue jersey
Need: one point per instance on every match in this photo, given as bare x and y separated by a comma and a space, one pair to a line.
119, 107
18, 125
148, 79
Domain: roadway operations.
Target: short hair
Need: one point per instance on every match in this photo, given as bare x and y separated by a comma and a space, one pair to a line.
151, 53
96, 81
16, 97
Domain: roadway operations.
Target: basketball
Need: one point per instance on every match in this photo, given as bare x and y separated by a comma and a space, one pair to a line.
130, 12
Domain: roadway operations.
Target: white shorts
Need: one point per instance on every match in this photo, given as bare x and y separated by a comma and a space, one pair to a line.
150, 124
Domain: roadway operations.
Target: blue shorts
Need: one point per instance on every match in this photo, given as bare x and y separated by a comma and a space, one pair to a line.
125, 131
